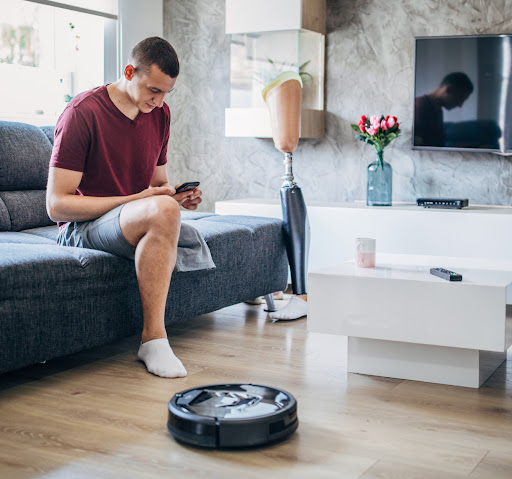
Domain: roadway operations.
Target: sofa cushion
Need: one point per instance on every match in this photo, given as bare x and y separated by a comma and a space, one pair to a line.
5, 219
25, 264
48, 232
24, 238
24, 157
49, 131
194, 215
26, 209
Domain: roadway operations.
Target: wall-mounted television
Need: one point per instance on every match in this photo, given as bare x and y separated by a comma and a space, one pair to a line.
463, 94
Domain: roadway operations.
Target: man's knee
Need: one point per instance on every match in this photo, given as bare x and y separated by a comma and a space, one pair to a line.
156, 213
163, 211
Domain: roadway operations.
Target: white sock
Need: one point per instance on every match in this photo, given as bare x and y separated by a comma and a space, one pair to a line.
295, 309
160, 359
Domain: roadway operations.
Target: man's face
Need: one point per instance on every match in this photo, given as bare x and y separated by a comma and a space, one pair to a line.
455, 98
148, 89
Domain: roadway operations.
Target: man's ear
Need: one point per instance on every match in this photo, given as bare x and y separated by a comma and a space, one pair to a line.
129, 71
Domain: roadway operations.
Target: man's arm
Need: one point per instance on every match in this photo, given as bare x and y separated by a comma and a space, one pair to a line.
63, 205
160, 177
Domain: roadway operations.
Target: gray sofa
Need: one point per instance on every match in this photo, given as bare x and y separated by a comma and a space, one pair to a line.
58, 300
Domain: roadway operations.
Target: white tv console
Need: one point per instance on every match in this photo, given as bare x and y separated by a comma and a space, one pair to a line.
475, 232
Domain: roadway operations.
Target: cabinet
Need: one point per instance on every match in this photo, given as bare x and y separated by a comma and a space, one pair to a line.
477, 232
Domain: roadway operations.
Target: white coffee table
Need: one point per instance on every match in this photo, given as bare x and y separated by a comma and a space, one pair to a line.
403, 322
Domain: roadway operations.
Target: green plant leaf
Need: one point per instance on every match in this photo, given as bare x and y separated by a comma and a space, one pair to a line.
365, 139
304, 65
306, 74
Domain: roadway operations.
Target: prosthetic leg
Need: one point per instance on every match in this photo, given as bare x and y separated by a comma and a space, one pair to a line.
284, 97
296, 229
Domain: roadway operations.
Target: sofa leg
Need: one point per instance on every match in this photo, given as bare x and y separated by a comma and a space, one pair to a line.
271, 306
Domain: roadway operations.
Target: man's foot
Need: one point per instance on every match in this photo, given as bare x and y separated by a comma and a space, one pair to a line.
295, 309
160, 359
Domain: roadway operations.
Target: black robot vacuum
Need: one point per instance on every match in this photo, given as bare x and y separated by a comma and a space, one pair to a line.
232, 415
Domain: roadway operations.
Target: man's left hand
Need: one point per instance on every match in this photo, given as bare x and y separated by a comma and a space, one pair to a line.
189, 199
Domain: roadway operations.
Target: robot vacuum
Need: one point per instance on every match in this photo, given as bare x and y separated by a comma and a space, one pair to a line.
232, 415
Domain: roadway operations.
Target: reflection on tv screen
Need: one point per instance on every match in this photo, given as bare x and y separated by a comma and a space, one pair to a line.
462, 93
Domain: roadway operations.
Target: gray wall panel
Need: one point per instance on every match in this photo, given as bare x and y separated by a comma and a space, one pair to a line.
369, 69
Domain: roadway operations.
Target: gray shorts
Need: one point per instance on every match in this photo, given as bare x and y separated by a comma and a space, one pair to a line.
103, 233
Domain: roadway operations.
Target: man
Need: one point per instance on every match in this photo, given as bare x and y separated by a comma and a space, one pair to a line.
452, 92
108, 181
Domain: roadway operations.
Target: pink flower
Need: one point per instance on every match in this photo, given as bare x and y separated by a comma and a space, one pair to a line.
391, 121
383, 125
372, 130
375, 121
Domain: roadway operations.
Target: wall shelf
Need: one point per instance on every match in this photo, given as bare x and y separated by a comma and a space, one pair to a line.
263, 46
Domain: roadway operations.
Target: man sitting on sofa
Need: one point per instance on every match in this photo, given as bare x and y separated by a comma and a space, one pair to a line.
108, 186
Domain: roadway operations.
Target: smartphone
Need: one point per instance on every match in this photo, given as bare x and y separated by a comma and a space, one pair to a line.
189, 185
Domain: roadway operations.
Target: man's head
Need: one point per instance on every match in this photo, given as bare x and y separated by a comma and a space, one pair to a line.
151, 73
455, 89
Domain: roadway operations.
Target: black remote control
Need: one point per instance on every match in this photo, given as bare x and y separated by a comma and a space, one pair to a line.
446, 274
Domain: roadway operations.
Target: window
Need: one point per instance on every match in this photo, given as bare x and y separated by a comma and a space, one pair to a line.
50, 52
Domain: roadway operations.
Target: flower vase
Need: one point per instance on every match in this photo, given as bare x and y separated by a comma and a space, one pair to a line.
379, 182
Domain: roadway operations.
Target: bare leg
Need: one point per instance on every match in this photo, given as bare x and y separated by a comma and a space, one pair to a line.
153, 226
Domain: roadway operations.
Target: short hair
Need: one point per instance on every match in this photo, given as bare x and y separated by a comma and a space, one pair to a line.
458, 80
155, 51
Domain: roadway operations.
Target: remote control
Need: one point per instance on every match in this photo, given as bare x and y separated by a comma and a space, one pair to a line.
446, 274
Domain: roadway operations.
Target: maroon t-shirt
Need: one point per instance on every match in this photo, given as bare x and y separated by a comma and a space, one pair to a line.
116, 155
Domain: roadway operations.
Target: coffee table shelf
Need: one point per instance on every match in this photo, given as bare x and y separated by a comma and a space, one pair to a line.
403, 322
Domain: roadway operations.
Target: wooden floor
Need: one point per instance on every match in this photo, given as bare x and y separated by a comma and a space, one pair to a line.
100, 414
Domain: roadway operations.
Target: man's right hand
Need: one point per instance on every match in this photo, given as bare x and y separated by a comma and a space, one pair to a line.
157, 190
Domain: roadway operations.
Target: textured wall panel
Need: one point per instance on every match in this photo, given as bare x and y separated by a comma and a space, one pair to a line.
369, 69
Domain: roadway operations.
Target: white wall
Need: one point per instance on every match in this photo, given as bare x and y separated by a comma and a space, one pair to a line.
138, 19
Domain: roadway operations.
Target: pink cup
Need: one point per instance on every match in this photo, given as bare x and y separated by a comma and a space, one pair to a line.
365, 252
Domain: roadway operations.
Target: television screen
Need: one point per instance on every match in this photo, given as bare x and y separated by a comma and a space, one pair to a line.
463, 94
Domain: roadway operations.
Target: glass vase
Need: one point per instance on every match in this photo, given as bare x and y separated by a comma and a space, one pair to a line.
380, 182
